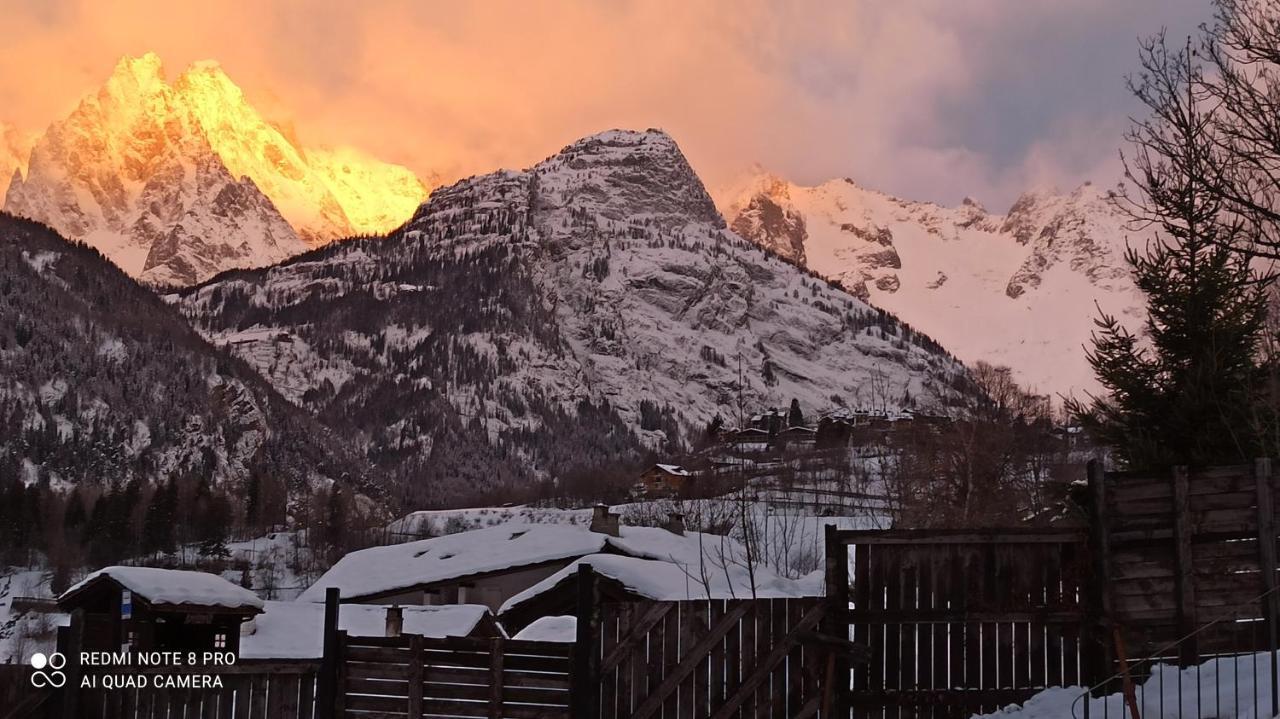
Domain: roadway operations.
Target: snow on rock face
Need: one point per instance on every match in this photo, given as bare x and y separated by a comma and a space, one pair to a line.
598, 280
1016, 290
175, 182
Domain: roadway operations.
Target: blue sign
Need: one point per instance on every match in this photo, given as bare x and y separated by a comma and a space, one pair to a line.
126, 604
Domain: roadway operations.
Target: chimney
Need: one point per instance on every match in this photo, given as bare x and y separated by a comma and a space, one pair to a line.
604, 521
675, 523
395, 621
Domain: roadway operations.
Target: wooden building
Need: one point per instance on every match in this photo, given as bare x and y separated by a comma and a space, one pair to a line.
144, 608
666, 480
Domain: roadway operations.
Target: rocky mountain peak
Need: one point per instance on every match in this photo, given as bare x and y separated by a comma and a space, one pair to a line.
968, 277
126, 168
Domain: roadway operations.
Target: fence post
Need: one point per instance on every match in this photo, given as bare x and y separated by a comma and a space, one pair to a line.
1267, 567
415, 675
1097, 655
584, 686
836, 620
1185, 580
327, 683
70, 643
497, 687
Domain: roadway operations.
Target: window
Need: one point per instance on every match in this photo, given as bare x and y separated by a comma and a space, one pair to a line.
220, 640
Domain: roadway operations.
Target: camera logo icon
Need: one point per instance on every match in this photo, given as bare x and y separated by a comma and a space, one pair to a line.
54, 677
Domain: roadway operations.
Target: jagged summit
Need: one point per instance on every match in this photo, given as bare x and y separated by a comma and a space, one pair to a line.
138, 161
1017, 289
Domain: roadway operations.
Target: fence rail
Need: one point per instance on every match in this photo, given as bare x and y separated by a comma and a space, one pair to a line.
415, 676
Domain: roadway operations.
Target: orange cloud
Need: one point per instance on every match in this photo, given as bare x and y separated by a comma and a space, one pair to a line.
850, 87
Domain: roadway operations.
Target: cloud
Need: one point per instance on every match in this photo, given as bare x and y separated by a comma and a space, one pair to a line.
925, 98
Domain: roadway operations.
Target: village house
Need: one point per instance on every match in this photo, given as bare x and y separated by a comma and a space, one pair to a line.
722, 570
489, 566
665, 480
160, 609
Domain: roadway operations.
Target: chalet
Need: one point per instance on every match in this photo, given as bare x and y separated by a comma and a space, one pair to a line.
751, 439
488, 566
160, 609
664, 480
796, 437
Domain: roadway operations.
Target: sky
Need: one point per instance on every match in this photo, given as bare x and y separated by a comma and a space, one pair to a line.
926, 99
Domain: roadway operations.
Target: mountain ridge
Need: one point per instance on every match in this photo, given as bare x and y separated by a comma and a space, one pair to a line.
575, 316
1017, 289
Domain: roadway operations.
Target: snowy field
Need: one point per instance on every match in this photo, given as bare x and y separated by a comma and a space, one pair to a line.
1228, 688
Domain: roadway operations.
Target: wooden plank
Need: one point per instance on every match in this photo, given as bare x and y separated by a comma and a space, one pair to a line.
1184, 575
732, 655
586, 656
778, 677
689, 662
927, 568
794, 659
748, 654
622, 673
671, 628
960, 536
716, 663
1267, 566
609, 679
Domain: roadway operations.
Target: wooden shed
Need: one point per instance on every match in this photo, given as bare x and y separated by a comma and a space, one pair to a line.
144, 608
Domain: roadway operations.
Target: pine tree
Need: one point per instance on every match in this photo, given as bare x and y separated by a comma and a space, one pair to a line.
795, 418
1184, 392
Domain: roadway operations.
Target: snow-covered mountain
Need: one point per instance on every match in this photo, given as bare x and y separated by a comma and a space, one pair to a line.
1017, 289
569, 317
102, 383
15, 146
176, 181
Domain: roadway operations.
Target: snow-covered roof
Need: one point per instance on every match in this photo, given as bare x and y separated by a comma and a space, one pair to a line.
381, 570
400, 566
561, 628
294, 630
669, 581
174, 586
673, 469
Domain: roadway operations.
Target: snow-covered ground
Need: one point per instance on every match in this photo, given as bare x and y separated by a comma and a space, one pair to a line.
1227, 688
23, 634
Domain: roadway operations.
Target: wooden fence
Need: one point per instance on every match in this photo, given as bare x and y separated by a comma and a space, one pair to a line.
962, 622
1187, 552
711, 658
250, 690
414, 676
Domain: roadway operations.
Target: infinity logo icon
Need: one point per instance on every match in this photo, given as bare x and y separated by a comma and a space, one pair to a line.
55, 677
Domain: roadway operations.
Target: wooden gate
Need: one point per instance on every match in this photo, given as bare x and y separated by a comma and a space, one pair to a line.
960, 622
712, 658
413, 677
